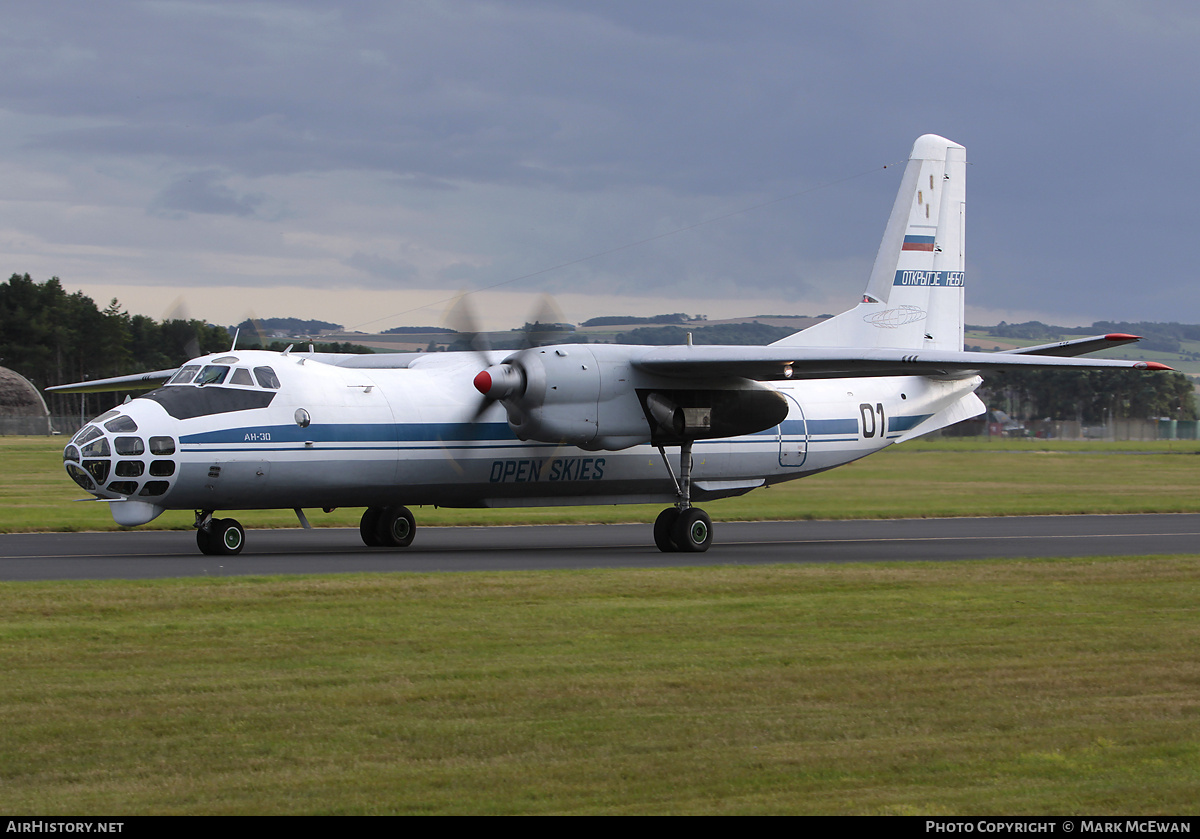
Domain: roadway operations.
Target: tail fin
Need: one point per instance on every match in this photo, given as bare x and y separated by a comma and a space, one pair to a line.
914, 299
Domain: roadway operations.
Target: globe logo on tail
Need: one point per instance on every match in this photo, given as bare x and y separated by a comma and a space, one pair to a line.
892, 318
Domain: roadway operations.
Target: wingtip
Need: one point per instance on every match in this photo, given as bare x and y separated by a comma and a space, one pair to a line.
1152, 365
1121, 336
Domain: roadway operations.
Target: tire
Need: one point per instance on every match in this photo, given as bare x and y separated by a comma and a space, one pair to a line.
369, 526
693, 531
664, 527
227, 536
396, 527
204, 542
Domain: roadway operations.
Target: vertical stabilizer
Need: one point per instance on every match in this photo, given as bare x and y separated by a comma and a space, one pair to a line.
914, 298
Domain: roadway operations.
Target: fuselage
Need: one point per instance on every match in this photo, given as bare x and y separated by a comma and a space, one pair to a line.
259, 430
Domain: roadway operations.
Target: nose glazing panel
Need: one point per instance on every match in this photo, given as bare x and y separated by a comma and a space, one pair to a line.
92, 457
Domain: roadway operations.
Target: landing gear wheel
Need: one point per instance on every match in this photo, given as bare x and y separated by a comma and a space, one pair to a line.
204, 542
693, 530
396, 527
664, 526
226, 537
369, 526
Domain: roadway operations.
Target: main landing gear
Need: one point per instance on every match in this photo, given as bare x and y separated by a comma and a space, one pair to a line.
387, 527
682, 528
219, 537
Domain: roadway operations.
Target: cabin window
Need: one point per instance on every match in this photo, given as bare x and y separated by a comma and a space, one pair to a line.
123, 487
162, 468
153, 488
241, 376
213, 374
185, 375
266, 377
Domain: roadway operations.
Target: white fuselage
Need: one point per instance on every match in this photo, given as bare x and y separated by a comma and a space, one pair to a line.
321, 435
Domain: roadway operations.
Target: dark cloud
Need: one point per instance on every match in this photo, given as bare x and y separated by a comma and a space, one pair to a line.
1078, 120
200, 192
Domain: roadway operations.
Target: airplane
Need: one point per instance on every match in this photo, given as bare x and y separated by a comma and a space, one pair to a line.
566, 424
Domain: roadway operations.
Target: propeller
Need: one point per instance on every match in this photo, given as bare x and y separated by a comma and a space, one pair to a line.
189, 344
508, 379
497, 382
250, 331
544, 328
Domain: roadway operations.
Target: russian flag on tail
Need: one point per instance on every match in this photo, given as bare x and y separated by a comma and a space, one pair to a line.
917, 243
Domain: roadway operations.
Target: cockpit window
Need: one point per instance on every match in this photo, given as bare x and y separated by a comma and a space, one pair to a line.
241, 376
185, 375
266, 377
213, 374
121, 424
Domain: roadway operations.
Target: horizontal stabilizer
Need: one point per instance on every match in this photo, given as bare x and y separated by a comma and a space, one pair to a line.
1078, 346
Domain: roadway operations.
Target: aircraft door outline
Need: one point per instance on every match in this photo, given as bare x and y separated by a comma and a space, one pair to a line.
793, 449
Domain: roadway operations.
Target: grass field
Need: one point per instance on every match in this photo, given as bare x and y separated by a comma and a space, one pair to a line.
918, 479
1006, 687
980, 688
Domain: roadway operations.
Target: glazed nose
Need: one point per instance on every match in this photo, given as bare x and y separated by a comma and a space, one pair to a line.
115, 460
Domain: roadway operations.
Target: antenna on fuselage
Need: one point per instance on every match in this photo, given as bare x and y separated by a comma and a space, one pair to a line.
236, 333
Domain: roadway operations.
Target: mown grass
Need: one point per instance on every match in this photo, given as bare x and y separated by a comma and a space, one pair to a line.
944, 478
1036, 687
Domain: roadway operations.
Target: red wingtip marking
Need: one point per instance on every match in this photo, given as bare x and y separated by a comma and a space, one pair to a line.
483, 382
1121, 336
1154, 365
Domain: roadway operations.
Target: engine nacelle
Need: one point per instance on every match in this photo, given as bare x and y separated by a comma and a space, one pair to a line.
591, 397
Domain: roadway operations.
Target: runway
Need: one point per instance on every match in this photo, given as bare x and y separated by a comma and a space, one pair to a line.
156, 554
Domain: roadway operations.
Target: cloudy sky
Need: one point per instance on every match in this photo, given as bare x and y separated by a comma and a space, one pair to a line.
362, 162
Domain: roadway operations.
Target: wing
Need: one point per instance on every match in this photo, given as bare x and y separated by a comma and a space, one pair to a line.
136, 381
775, 363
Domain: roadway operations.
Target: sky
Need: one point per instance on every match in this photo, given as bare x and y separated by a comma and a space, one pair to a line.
364, 163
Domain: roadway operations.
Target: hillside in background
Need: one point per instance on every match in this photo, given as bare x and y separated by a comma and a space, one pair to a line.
1174, 344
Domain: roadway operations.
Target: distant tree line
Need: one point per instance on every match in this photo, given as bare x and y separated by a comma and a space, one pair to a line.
1090, 396
412, 330
51, 337
621, 320
751, 334
1156, 337
288, 326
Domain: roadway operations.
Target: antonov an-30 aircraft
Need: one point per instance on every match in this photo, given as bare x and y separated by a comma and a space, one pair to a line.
566, 424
